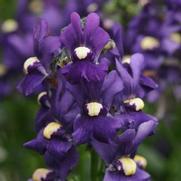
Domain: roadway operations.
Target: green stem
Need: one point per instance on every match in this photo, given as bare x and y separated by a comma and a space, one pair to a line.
94, 166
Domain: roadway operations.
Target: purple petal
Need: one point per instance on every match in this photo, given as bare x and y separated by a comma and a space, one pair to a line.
106, 151
31, 83
103, 38
137, 62
92, 22
144, 130
140, 175
111, 86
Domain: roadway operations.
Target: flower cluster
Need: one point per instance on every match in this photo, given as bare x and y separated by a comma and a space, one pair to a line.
87, 95
17, 32
16, 37
155, 32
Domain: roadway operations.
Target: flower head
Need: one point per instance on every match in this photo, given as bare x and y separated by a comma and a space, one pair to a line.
80, 40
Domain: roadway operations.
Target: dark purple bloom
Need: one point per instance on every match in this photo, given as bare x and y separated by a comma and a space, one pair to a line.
89, 94
57, 148
155, 33
119, 154
17, 32
135, 84
94, 100
80, 40
37, 68
83, 7
50, 10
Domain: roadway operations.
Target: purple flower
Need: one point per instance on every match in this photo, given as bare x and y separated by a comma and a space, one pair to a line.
155, 34
119, 153
50, 10
83, 49
83, 7
116, 176
94, 101
37, 68
120, 164
17, 32
14, 49
57, 148
88, 94
135, 84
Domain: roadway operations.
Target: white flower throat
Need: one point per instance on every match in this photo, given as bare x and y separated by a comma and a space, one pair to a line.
128, 165
137, 102
50, 129
94, 108
126, 59
82, 52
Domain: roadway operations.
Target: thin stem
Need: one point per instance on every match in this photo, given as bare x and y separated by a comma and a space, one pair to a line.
94, 166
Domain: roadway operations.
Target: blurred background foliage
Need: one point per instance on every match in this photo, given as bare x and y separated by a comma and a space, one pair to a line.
163, 151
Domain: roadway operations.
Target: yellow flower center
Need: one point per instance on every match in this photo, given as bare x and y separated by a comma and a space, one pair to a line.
137, 102
40, 174
128, 165
29, 62
140, 160
10, 25
176, 37
94, 108
3, 69
149, 43
92, 7
36, 6
50, 129
82, 52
